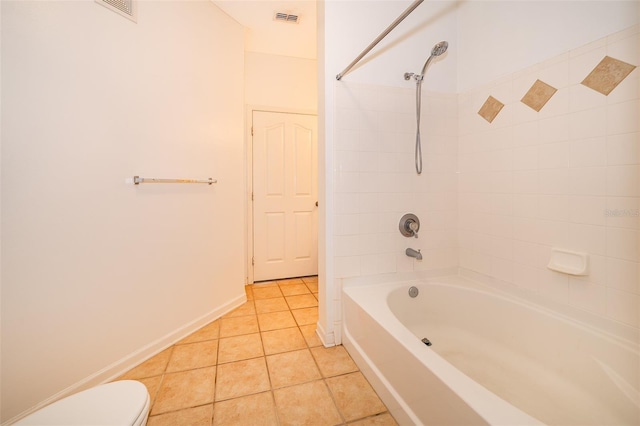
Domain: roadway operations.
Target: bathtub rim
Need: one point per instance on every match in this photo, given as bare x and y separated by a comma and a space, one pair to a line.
490, 407
485, 406
615, 329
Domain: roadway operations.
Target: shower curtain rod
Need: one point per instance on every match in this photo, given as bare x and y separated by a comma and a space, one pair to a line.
394, 24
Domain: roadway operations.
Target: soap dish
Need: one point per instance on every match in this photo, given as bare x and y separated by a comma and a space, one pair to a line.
569, 262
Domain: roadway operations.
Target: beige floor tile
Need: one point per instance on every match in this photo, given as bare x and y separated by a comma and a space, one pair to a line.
305, 316
242, 378
294, 289
262, 284
306, 404
354, 396
276, 320
292, 368
290, 281
197, 416
245, 309
252, 410
301, 301
384, 419
193, 355
266, 292
237, 326
275, 304
152, 384
154, 366
333, 361
310, 279
312, 286
249, 292
310, 335
185, 389
240, 347
284, 340
210, 331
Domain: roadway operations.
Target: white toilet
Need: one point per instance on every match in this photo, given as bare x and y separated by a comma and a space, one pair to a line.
122, 403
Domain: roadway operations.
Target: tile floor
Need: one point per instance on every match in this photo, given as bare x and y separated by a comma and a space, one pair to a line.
261, 364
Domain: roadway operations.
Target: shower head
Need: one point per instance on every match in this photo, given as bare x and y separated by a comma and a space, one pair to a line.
437, 50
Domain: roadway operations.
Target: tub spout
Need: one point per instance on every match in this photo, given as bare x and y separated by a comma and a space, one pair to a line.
413, 253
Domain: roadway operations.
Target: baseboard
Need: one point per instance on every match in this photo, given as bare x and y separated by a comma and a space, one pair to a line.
125, 364
328, 339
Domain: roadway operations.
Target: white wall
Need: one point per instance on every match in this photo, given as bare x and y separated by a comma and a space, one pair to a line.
281, 82
567, 177
498, 38
366, 168
96, 272
487, 40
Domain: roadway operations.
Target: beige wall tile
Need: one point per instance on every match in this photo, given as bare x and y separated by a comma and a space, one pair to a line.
538, 95
607, 75
490, 109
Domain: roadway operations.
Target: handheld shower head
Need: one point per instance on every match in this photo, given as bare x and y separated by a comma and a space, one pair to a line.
437, 50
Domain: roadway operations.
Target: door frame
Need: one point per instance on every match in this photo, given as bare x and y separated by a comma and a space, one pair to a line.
249, 176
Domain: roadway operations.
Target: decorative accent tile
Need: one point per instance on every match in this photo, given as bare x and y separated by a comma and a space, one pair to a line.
490, 109
607, 75
538, 95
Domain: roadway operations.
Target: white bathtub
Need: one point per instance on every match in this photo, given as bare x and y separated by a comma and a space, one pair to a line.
494, 359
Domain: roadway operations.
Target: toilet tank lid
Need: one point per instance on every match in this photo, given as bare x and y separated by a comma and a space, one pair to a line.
115, 403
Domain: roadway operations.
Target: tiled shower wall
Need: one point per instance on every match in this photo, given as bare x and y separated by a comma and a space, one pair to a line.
376, 182
567, 176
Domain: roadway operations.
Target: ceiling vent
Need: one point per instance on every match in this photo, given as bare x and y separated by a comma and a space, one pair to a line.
126, 8
286, 17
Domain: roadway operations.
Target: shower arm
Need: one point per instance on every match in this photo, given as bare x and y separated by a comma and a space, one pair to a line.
394, 24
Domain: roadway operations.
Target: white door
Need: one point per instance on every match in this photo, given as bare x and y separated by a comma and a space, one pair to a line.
285, 194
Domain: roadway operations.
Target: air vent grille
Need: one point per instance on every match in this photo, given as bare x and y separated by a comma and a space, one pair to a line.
126, 8
286, 17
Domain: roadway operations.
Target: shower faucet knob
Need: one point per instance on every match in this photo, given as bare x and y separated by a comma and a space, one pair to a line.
409, 225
